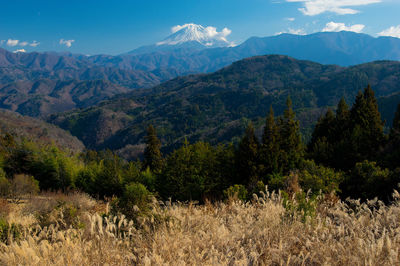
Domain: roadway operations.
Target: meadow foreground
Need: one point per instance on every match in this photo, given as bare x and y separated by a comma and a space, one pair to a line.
266, 231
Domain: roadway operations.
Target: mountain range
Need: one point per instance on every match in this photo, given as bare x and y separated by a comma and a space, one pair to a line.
217, 107
40, 84
108, 101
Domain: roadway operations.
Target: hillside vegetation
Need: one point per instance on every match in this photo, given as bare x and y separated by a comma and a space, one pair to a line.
259, 232
268, 200
217, 107
38, 131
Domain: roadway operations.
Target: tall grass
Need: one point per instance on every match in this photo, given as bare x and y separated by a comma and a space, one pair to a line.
233, 233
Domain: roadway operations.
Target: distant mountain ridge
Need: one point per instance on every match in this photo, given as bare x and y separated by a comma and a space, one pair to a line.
38, 84
189, 36
181, 54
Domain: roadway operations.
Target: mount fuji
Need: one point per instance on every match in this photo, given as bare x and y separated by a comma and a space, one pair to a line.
190, 37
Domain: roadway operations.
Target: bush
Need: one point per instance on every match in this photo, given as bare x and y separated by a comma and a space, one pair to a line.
62, 209
276, 182
9, 231
300, 204
22, 185
135, 201
148, 179
236, 192
4, 187
318, 178
367, 180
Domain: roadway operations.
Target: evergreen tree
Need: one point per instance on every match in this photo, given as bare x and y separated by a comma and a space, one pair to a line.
320, 146
366, 126
152, 154
395, 130
269, 149
247, 159
324, 128
341, 149
342, 111
291, 144
391, 153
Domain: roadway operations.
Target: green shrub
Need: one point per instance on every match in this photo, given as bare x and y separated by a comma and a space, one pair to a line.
319, 178
9, 231
236, 192
4, 187
135, 201
367, 180
276, 182
300, 204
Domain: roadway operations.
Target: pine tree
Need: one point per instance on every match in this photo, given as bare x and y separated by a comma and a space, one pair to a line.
269, 149
395, 130
341, 149
247, 158
366, 126
342, 111
324, 128
291, 144
152, 154
320, 146
342, 119
391, 152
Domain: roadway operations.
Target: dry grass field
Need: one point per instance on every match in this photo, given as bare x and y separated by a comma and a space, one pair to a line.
55, 229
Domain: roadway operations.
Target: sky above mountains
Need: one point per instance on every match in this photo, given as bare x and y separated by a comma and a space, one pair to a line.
113, 27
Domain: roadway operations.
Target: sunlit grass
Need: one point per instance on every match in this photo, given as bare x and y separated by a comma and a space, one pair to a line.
258, 232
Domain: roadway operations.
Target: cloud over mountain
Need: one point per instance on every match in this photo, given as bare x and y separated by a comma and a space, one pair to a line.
393, 31
19, 51
336, 27
67, 43
12, 43
208, 36
340, 7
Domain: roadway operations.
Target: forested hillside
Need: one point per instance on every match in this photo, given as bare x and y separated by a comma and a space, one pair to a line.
28, 128
216, 107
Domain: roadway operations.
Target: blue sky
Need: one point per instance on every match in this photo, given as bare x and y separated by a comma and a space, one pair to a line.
113, 27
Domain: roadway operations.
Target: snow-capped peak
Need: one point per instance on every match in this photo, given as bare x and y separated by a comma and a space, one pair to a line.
207, 36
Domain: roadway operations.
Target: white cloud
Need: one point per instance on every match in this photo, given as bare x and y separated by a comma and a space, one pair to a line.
293, 31
34, 44
290, 19
340, 7
393, 31
336, 27
19, 51
12, 43
67, 43
211, 32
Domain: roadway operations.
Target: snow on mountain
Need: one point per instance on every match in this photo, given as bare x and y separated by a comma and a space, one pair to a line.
206, 36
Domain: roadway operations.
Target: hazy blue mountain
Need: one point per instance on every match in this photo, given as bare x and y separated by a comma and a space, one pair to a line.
341, 48
190, 37
188, 51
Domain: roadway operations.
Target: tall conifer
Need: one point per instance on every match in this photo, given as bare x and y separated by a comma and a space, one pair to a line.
291, 143
270, 146
152, 154
247, 158
395, 130
367, 126
391, 153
